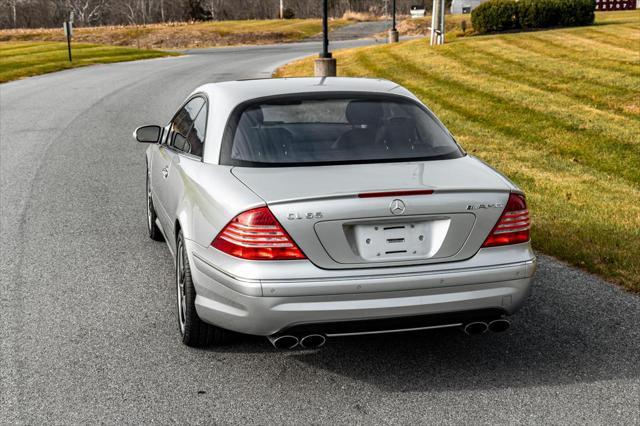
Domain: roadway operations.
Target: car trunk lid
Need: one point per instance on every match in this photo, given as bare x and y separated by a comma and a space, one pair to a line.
385, 214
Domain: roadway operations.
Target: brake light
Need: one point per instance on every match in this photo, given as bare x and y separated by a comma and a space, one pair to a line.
513, 225
257, 235
395, 193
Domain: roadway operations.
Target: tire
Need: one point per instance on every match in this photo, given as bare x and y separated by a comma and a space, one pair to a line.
154, 231
194, 331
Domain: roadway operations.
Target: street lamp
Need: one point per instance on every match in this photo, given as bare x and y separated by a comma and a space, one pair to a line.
325, 64
393, 32
325, 30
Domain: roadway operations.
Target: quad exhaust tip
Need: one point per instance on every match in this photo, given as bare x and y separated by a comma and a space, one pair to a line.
288, 341
480, 327
474, 328
313, 341
499, 325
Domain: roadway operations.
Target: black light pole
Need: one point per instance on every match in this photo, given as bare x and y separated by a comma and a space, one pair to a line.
325, 30
393, 32
325, 64
393, 28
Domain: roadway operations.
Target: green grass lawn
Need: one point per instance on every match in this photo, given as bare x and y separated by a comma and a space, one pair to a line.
25, 59
556, 111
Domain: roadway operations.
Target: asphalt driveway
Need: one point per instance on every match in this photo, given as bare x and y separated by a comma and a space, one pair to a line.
89, 334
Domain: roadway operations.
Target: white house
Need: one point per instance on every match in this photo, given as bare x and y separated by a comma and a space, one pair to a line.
464, 6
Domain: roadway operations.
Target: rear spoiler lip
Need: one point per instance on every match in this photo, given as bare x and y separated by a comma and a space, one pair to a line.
357, 194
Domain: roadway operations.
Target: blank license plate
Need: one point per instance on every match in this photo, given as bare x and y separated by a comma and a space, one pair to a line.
397, 241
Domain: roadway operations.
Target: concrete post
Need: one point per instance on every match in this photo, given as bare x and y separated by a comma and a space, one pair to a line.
325, 67
393, 36
393, 32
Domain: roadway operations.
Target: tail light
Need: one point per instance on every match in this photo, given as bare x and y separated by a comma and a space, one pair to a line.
513, 225
257, 235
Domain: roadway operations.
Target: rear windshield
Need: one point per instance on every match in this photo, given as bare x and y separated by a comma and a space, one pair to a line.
334, 130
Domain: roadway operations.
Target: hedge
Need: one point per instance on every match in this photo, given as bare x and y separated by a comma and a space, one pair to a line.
504, 15
495, 15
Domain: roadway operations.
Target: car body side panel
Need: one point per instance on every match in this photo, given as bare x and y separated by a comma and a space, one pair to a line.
172, 191
206, 198
158, 161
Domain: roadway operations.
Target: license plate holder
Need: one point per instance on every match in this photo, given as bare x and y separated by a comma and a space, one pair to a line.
400, 240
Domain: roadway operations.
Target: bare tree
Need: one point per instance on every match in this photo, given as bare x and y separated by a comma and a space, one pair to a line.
14, 5
86, 12
51, 13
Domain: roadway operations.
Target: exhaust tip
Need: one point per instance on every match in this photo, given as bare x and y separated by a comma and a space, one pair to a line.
474, 328
284, 342
499, 325
313, 341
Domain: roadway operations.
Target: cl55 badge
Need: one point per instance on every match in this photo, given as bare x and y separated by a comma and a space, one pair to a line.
485, 206
310, 215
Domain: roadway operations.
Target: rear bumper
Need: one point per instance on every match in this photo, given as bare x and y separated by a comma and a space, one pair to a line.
265, 307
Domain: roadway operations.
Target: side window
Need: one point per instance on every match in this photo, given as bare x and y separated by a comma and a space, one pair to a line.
182, 123
196, 135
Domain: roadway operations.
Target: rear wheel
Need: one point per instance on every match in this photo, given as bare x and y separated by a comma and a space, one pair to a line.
194, 331
154, 231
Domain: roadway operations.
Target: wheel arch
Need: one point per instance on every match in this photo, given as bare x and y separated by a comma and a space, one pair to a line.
176, 229
182, 223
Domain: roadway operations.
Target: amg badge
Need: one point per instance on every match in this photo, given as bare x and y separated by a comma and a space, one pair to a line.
485, 206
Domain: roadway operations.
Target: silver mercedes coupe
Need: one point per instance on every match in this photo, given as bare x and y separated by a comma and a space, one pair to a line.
311, 208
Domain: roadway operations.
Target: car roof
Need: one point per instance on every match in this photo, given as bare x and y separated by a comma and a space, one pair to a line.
238, 91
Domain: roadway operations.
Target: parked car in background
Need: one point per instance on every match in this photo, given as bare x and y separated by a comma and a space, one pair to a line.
310, 208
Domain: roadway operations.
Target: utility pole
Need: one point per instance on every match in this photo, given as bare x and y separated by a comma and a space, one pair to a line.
281, 9
325, 64
393, 32
437, 23
68, 32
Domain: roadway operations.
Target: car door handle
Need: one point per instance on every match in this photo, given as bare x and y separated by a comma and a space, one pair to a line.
165, 172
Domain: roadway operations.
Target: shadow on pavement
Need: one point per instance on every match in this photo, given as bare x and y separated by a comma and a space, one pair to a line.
566, 333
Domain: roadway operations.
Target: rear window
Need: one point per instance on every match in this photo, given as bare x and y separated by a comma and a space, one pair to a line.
334, 130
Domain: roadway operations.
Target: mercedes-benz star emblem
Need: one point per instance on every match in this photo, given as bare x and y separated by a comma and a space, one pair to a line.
397, 207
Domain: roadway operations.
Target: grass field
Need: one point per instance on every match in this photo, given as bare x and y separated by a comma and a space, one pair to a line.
182, 34
453, 25
25, 59
557, 111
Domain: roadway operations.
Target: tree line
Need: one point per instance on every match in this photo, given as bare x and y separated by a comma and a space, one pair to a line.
51, 13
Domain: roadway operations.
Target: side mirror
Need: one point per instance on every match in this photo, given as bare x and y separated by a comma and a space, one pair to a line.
148, 134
